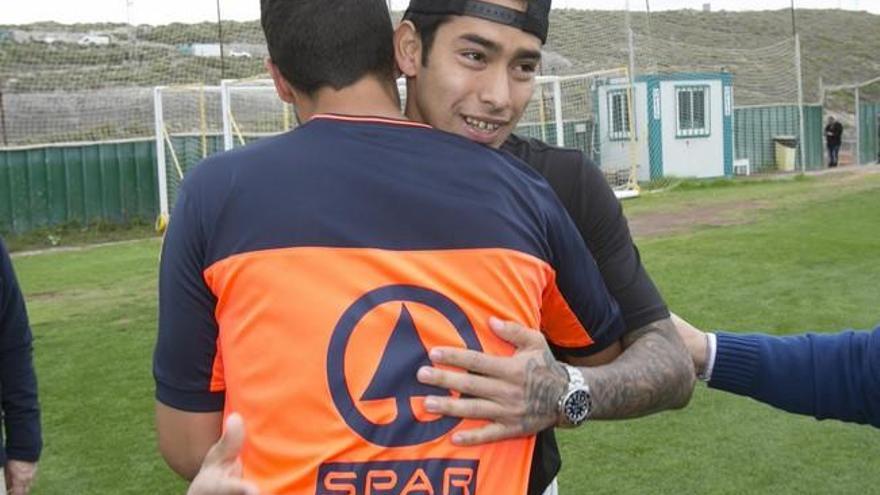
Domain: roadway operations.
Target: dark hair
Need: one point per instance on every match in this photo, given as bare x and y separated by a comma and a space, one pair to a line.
427, 25
318, 43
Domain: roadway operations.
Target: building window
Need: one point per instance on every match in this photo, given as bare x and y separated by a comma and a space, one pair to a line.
693, 111
618, 115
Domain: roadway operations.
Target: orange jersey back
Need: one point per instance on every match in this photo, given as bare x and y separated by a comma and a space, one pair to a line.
310, 311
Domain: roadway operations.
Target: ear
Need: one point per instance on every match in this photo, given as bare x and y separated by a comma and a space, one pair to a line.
408, 49
282, 87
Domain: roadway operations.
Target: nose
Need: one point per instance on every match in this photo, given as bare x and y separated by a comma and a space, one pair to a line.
495, 89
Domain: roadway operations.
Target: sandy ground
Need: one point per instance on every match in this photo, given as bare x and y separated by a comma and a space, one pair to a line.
647, 225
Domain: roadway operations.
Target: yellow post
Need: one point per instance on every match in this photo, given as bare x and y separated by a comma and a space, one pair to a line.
542, 112
286, 108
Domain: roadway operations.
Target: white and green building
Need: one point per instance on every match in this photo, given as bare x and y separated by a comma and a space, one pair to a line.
681, 124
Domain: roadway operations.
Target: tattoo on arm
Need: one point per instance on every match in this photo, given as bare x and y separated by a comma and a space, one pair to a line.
654, 373
546, 381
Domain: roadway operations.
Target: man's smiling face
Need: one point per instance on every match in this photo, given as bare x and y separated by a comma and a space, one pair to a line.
478, 79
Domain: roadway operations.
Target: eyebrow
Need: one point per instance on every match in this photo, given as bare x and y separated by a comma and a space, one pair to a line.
479, 40
494, 47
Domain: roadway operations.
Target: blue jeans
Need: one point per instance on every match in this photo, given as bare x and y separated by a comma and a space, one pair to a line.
833, 154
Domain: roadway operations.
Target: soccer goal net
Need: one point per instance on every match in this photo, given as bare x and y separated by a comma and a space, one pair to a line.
252, 110
188, 128
574, 112
564, 111
193, 122
571, 111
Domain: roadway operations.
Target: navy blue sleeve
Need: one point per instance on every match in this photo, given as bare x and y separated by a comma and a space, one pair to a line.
825, 376
18, 382
186, 347
581, 285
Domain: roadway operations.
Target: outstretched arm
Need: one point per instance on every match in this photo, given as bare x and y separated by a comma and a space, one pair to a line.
835, 376
519, 394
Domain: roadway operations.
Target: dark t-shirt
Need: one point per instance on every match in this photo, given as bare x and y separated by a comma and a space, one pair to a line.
833, 133
21, 414
598, 215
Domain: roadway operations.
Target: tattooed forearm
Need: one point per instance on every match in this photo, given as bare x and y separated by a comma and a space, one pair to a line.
654, 373
546, 381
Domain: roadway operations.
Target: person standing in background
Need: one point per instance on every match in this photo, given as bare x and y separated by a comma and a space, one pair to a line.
18, 385
833, 138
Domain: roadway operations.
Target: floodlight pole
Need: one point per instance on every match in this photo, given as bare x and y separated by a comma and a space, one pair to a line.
220, 38
793, 20
631, 95
132, 30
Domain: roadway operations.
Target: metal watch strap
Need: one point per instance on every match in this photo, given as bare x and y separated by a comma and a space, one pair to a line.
576, 382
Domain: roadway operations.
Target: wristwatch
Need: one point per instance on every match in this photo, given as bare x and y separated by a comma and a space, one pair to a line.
575, 404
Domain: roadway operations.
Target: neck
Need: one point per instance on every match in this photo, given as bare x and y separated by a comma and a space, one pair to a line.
367, 97
411, 111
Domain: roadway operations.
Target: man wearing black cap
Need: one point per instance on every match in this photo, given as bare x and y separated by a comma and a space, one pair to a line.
470, 68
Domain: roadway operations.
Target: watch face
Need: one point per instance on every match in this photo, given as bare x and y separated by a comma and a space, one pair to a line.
577, 406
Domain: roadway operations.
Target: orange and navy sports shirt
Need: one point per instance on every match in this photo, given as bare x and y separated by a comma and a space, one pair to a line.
305, 277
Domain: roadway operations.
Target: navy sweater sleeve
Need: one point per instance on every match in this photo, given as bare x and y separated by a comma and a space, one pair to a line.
833, 376
18, 383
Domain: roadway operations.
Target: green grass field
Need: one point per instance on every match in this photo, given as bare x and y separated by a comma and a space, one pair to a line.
807, 258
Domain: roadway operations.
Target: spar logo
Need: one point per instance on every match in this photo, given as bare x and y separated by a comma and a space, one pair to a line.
374, 355
395, 376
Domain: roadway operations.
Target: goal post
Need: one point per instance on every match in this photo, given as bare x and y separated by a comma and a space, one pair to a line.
252, 110
564, 111
192, 122
187, 128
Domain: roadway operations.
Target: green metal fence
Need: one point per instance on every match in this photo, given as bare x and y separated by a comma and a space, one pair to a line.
116, 181
870, 132
83, 183
756, 127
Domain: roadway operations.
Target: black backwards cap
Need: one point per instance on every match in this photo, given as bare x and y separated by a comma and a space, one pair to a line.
535, 20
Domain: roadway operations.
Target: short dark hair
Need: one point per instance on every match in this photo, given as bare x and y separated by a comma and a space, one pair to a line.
319, 43
427, 25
